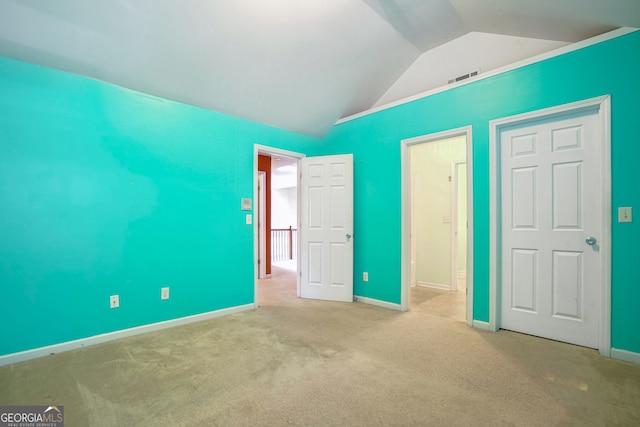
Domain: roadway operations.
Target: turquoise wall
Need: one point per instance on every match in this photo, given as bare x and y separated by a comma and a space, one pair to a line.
606, 68
107, 191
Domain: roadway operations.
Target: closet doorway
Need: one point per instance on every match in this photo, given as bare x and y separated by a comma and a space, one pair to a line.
436, 232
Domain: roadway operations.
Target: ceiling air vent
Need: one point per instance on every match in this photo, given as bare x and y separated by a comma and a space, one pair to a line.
463, 77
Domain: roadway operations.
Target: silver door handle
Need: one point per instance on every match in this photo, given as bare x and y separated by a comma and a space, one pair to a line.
348, 237
591, 241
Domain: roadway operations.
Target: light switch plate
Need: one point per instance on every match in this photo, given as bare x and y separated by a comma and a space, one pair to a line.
624, 214
249, 219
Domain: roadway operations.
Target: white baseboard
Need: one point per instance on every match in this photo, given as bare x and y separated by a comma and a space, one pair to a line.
378, 303
102, 338
627, 356
479, 324
434, 285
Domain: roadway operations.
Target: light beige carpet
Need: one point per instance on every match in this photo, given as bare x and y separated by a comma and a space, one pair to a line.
316, 363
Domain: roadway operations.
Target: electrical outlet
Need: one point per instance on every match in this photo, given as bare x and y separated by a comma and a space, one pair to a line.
114, 301
365, 276
164, 293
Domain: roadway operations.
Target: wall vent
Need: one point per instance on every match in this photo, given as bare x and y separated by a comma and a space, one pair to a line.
463, 77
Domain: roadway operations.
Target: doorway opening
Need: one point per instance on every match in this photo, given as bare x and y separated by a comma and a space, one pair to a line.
276, 239
437, 249
324, 216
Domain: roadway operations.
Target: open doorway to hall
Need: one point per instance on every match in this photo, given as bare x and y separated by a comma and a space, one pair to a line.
322, 257
438, 211
277, 214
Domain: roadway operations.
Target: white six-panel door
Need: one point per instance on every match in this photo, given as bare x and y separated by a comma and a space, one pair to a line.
551, 223
326, 229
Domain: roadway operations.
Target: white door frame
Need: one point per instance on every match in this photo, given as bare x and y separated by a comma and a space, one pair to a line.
262, 230
602, 105
405, 173
455, 226
272, 151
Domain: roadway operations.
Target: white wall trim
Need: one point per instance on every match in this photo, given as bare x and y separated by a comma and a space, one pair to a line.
520, 64
111, 336
455, 226
479, 324
432, 285
405, 178
272, 151
261, 214
603, 105
604, 332
378, 303
627, 356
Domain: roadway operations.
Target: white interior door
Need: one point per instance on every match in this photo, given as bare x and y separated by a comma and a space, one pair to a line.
326, 229
551, 223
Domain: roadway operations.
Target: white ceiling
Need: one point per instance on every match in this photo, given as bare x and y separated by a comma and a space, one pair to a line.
294, 64
473, 51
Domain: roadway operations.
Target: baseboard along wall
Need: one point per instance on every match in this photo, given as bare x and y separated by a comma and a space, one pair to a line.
627, 356
434, 285
378, 303
102, 338
479, 324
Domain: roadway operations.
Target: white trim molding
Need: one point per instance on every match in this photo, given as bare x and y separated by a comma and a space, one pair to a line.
378, 303
519, 64
601, 105
111, 336
431, 285
405, 179
479, 324
627, 356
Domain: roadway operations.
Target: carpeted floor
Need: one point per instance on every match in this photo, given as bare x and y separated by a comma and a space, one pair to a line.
316, 363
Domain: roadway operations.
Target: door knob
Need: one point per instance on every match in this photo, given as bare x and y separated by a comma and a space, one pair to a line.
348, 237
591, 241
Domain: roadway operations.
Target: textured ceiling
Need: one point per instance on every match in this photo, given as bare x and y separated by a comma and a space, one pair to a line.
298, 65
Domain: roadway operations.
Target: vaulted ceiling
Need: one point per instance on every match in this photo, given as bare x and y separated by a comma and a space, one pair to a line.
294, 64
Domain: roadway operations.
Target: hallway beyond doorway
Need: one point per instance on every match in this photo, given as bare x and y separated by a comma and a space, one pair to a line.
439, 303
289, 264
